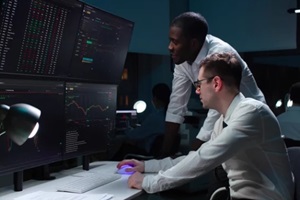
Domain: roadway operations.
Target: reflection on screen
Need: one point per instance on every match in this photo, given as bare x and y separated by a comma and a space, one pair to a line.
45, 147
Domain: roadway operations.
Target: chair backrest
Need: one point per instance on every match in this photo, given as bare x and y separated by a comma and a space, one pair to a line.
294, 155
220, 193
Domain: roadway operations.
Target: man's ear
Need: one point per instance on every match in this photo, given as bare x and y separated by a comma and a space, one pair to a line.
218, 83
195, 45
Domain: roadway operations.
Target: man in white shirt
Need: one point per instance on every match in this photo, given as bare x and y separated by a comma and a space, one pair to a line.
249, 147
290, 120
189, 44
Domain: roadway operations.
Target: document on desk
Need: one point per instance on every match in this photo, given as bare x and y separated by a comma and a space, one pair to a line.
41, 195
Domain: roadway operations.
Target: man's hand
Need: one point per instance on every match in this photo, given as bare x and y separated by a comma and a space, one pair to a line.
137, 166
136, 180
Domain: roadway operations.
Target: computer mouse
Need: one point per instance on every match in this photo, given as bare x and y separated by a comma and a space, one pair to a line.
123, 168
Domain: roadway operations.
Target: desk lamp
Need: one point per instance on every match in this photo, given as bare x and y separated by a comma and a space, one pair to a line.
140, 106
19, 121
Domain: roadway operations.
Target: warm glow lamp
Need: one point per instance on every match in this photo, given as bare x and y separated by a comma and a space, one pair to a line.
19, 121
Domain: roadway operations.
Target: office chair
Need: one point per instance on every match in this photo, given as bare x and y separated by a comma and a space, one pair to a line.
294, 154
221, 193
155, 149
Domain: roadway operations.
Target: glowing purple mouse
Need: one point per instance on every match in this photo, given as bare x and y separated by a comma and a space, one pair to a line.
123, 168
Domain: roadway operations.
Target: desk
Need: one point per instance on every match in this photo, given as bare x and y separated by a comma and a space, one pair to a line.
117, 188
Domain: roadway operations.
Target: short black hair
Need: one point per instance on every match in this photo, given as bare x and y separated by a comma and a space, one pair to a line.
295, 93
193, 25
226, 66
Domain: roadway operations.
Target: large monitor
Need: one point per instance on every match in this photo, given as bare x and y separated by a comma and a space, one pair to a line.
101, 46
62, 39
90, 111
45, 147
37, 37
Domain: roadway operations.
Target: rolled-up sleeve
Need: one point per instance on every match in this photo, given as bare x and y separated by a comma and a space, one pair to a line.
177, 175
207, 128
181, 92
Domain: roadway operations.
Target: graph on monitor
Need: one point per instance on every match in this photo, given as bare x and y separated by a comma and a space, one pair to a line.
90, 117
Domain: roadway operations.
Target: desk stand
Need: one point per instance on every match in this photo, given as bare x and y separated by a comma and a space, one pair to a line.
18, 181
43, 173
85, 163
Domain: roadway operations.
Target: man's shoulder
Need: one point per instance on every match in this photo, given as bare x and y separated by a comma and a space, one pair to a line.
251, 102
215, 45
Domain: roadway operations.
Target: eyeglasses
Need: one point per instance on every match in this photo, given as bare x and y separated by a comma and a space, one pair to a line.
198, 83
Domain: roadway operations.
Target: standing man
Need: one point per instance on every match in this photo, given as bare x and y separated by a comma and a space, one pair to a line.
246, 140
189, 44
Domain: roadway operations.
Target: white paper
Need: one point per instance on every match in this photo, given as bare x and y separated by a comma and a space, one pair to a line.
41, 195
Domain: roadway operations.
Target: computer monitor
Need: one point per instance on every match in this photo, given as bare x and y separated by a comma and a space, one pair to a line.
37, 37
90, 111
125, 119
62, 39
45, 147
101, 46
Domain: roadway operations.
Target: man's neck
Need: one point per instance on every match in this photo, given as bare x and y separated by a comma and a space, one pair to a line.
193, 57
225, 102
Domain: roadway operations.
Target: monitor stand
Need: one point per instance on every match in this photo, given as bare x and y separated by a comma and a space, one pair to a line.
85, 163
18, 181
43, 173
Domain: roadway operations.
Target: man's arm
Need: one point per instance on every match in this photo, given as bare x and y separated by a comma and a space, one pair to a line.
169, 139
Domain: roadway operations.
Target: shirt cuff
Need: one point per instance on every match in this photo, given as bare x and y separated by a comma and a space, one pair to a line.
174, 118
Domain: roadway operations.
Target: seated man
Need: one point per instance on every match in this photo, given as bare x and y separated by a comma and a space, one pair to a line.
246, 140
140, 139
289, 120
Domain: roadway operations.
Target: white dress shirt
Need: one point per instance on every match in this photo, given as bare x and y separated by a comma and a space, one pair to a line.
185, 74
290, 123
250, 150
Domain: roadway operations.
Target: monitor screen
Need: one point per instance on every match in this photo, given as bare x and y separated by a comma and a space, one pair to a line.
101, 46
90, 111
46, 146
62, 39
37, 37
126, 119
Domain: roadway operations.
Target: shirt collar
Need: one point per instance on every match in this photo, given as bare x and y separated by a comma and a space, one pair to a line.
239, 97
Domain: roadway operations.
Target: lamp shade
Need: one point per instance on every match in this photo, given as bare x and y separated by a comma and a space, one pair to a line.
20, 121
140, 106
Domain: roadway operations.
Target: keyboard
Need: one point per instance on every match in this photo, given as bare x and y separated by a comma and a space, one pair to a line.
88, 182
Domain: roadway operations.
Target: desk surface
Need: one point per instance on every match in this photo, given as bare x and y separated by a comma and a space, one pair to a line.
117, 188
